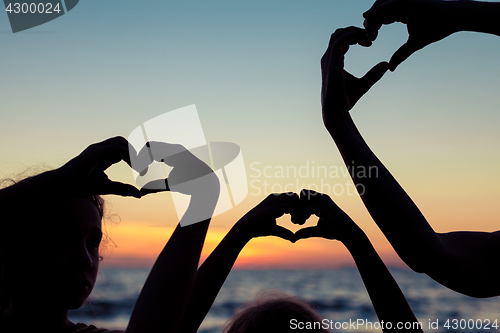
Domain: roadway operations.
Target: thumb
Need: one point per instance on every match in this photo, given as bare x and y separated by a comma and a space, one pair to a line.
374, 75
284, 233
154, 186
406, 50
124, 190
308, 233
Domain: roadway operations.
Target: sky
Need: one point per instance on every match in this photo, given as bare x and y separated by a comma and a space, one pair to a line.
252, 70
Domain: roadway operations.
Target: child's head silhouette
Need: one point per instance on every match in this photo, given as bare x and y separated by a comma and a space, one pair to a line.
274, 312
49, 252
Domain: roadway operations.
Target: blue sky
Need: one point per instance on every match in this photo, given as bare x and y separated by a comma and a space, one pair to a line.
252, 69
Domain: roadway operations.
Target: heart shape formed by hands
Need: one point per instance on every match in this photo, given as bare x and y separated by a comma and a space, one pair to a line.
341, 90
333, 223
85, 174
427, 22
188, 176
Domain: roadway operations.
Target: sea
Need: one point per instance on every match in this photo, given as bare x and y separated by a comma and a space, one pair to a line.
337, 294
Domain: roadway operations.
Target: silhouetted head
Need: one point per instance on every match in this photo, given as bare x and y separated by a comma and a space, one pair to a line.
49, 252
274, 312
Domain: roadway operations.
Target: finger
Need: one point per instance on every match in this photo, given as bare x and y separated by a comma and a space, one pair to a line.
158, 185
288, 198
358, 87
333, 69
278, 209
350, 36
120, 141
117, 140
406, 50
316, 203
365, 41
385, 12
143, 160
124, 190
132, 154
308, 201
145, 191
154, 151
299, 216
308, 233
163, 150
373, 76
339, 34
307, 194
278, 204
284, 233
334, 36
103, 156
333, 66
372, 29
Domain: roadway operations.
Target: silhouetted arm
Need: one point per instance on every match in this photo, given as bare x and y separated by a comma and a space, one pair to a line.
429, 21
165, 294
461, 261
388, 301
260, 221
164, 297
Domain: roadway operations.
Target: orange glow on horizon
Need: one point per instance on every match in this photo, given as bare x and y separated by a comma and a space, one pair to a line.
138, 245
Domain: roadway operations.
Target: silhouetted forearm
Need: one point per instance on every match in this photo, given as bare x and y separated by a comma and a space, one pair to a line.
389, 302
460, 261
163, 300
392, 209
475, 16
209, 279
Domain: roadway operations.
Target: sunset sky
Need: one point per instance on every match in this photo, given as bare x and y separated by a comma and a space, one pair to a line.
252, 70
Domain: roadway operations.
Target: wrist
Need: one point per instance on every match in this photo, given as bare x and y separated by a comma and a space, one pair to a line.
354, 238
333, 115
239, 234
339, 126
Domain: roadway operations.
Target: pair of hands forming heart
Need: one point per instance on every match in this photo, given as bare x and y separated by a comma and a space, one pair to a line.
427, 21
85, 174
340, 90
333, 223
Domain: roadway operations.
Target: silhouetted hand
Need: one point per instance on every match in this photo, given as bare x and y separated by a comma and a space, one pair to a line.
261, 220
427, 21
84, 175
341, 90
333, 223
188, 175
